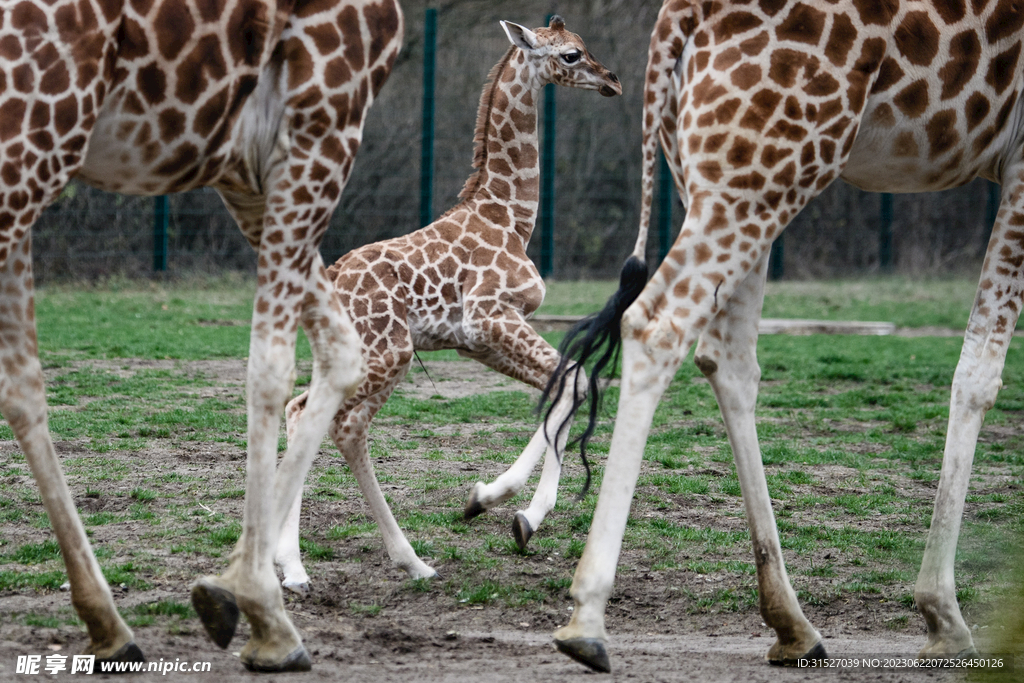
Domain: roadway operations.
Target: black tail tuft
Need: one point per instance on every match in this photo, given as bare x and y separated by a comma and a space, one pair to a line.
596, 336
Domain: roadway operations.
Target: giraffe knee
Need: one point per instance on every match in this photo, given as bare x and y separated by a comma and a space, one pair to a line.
975, 391
293, 411
706, 365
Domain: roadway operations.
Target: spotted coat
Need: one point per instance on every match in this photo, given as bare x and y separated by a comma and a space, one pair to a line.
463, 282
264, 101
760, 105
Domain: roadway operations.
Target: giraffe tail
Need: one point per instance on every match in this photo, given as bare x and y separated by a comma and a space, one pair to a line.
664, 65
596, 339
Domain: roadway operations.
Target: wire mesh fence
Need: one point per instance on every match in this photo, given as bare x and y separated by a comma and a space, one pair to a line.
91, 234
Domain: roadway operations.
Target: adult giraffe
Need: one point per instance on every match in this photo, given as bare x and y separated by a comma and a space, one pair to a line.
464, 282
266, 103
759, 106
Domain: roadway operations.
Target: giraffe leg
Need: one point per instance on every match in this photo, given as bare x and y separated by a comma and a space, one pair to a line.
250, 583
483, 497
349, 431
41, 153
526, 522
976, 383
646, 372
288, 557
350, 436
511, 481
689, 289
23, 404
727, 355
514, 348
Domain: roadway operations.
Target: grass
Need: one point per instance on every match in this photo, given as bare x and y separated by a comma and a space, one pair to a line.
209, 318
122, 413
905, 302
851, 431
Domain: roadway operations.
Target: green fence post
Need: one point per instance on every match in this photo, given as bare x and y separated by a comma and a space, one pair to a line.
665, 195
161, 218
885, 233
427, 142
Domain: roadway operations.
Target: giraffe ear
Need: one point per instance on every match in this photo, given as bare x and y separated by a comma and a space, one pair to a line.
521, 37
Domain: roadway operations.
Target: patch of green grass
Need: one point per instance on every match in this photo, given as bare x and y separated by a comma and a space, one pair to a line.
481, 593
677, 484
100, 519
365, 609
142, 495
224, 535
342, 531
15, 580
157, 321
41, 621
314, 551
34, 553
147, 613
499, 406
724, 600
167, 608
125, 573
422, 548
896, 299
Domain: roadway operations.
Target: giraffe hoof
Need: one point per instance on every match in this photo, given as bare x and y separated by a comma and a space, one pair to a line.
300, 588
588, 651
473, 506
521, 530
815, 653
298, 660
129, 652
217, 609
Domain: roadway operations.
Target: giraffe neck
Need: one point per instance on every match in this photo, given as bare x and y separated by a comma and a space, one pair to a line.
506, 160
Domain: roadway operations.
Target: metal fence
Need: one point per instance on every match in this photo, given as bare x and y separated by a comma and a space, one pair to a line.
416, 156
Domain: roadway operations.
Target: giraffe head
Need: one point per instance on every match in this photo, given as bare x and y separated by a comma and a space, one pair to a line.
559, 56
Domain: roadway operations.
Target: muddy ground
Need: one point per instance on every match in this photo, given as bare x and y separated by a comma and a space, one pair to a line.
430, 636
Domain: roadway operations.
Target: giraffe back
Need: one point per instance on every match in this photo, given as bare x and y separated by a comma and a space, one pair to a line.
891, 95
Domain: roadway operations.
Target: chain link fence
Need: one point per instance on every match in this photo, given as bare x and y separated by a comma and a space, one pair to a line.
89, 234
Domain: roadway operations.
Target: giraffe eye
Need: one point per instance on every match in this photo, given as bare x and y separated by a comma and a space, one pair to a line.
571, 57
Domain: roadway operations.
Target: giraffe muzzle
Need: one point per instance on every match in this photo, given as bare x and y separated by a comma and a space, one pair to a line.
611, 90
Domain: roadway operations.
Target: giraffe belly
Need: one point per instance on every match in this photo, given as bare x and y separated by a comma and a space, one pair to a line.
437, 334
160, 149
902, 155
126, 155
893, 161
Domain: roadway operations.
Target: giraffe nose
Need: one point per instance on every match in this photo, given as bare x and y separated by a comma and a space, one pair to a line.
611, 90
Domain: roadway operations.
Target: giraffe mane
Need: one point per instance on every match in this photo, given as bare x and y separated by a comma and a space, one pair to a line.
483, 120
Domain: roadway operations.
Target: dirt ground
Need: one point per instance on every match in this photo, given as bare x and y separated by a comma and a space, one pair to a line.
429, 636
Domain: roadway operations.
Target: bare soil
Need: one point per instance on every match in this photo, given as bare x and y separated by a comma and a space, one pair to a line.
656, 635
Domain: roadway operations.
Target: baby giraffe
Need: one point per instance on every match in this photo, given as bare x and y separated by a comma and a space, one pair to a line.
463, 282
